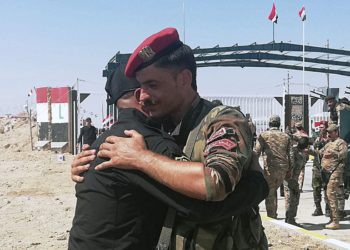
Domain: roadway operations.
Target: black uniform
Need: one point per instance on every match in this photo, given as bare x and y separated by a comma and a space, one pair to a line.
116, 209
87, 135
111, 211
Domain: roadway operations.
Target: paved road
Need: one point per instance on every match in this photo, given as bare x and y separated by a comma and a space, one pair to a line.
306, 207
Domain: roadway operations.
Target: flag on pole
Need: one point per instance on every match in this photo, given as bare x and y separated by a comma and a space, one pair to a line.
273, 14
302, 14
30, 92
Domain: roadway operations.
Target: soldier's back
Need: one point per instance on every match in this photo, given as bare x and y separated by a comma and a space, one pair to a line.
276, 146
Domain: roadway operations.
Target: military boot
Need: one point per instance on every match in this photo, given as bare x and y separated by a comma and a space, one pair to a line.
318, 210
328, 211
292, 222
333, 225
341, 214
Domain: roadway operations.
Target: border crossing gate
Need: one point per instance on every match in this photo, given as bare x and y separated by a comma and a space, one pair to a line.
261, 108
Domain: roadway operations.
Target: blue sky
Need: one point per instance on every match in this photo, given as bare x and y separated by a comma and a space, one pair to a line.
52, 43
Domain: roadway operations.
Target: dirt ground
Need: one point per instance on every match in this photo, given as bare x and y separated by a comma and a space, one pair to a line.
37, 198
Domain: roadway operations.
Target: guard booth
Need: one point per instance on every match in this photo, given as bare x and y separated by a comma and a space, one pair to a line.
297, 110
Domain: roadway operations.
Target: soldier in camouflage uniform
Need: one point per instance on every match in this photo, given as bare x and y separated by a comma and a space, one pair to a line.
220, 153
300, 133
291, 185
334, 107
317, 182
277, 147
334, 156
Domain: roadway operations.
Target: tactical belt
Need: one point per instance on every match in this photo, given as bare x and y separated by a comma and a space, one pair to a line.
165, 234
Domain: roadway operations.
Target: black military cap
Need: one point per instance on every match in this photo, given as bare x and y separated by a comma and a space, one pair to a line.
329, 97
118, 84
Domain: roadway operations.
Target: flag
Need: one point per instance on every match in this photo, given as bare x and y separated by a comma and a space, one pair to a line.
273, 14
30, 92
108, 121
302, 14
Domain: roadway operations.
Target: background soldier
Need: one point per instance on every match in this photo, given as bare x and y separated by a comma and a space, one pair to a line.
88, 133
277, 147
291, 186
317, 182
334, 156
300, 133
335, 106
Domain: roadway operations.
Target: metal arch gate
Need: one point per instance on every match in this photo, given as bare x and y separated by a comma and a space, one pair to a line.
276, 55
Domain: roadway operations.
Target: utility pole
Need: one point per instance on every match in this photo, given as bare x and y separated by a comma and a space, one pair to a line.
288, 83
29, 111
328, 68
78, 106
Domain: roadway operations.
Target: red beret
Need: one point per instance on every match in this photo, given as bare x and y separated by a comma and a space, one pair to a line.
151, 49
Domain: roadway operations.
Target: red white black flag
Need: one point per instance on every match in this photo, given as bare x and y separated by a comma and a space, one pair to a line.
302, 14
273, 14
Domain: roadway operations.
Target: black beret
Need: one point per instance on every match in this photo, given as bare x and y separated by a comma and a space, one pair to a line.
118, 84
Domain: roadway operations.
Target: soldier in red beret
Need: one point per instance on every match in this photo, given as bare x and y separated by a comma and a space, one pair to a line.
217, 140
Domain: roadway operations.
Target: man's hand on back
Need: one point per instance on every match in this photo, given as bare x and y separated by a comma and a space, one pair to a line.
122, 152
81, 162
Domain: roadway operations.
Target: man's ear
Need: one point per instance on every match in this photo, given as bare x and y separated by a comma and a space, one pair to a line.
186, 77
137, 94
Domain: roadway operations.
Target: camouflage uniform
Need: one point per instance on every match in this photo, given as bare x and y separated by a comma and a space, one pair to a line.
317, 182
296, 137
223, 142
277, 147
334, 113
335, 119
333, 161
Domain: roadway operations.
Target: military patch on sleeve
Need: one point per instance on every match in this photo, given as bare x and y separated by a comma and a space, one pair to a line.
222, 132
225, 144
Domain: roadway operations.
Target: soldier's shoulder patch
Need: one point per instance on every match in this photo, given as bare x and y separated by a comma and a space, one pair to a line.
225, 144
222, 132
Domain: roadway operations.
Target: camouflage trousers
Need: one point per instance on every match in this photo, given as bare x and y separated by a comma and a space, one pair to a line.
334, 190
291, 197
301, 178
274, 177
317, 184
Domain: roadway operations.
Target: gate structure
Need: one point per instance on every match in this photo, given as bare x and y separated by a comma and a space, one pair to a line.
277, 55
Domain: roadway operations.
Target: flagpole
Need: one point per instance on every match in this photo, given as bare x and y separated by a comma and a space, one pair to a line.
273, 32
303, 71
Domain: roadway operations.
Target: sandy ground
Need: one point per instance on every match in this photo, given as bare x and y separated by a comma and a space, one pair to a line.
37, 198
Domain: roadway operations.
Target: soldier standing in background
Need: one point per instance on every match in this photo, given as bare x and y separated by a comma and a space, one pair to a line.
88, 133
277, 147
291, 186
334, 107
300, 133
334, 156
317, 182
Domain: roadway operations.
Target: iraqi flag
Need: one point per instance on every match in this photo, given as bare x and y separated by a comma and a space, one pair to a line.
273, 14
302, 14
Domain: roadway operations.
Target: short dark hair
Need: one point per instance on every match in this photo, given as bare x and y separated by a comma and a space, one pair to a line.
88, 119
217, 102
274, 124
329, 97
182, 58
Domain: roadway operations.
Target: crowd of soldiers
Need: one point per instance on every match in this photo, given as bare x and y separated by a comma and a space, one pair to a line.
285, 155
